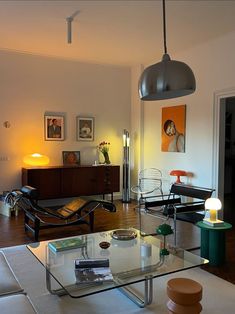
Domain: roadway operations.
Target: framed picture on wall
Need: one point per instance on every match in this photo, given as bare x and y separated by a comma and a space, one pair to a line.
173, 128
85, 129
71, 158
54, 127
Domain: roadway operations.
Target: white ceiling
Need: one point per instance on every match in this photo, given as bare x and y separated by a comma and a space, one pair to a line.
116, 32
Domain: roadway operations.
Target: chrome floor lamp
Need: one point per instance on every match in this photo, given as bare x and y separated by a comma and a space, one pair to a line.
126, 168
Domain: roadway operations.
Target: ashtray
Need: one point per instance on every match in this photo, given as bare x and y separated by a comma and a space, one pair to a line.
104, 245
124, 234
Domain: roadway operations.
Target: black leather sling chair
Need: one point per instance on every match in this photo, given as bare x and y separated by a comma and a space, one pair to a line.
76, 212
172, 205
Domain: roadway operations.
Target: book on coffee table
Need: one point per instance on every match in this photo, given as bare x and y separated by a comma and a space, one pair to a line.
92, 271
66, 244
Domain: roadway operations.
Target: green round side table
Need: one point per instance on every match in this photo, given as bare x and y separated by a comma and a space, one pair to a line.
213, 245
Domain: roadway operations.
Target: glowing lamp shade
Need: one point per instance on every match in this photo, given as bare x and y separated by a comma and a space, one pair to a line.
126, 168
213, 205
126, 139
36, 160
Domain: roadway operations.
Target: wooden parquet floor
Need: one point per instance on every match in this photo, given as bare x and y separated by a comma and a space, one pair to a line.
12, 233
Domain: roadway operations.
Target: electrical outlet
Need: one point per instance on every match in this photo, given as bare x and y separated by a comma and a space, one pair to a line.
4, 158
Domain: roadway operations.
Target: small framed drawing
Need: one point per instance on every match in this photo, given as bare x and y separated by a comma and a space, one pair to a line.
54, 127
85, 129
71, 158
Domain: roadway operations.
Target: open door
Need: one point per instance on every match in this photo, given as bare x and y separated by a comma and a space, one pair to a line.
229, 160
223, 168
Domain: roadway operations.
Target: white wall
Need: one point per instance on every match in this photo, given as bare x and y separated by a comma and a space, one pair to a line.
32, 85
136, 126
213, 64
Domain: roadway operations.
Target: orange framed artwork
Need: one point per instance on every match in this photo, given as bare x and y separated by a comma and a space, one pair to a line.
173, 128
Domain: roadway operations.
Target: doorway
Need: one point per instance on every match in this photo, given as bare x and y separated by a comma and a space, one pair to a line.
229, 160
224, 152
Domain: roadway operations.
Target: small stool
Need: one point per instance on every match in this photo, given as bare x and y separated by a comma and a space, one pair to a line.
185, 295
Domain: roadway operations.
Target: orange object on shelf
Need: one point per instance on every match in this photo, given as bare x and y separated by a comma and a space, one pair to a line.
178, 174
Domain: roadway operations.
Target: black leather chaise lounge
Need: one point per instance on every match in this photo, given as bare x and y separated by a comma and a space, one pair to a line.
76, 212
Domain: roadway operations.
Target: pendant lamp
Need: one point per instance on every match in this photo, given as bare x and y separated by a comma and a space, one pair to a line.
168, 78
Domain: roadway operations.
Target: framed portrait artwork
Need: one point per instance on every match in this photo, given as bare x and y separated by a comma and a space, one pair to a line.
85, 129
54, 127
71, 158
173, 128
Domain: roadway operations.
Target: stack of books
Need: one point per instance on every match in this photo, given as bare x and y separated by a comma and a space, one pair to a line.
92, 271
66, 244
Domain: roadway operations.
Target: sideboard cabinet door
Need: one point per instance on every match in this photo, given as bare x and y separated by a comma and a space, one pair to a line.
108, 179
78, 181
47, 181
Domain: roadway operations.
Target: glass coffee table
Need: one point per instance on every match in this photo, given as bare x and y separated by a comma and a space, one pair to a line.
131, 261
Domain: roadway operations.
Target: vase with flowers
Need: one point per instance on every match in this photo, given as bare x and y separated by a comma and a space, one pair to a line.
103, 147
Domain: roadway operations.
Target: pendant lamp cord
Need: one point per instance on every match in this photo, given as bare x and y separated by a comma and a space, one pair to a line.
164, 25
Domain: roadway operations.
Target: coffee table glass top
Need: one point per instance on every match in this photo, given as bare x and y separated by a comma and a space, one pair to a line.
130, 261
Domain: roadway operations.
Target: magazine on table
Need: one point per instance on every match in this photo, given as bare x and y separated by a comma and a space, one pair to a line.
92, 271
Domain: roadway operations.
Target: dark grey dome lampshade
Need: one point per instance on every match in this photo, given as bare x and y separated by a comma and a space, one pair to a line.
168, 78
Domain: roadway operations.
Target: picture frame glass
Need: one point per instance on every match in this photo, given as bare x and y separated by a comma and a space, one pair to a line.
85, 129
71, 158
54, 127
173, 129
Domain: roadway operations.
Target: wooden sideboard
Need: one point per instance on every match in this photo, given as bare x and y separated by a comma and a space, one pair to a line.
66, 181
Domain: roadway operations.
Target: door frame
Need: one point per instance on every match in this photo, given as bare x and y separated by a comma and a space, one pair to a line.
219, 141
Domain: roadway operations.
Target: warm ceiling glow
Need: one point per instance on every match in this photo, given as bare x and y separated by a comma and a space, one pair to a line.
36, 160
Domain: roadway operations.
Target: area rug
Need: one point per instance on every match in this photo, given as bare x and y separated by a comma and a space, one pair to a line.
218, 294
